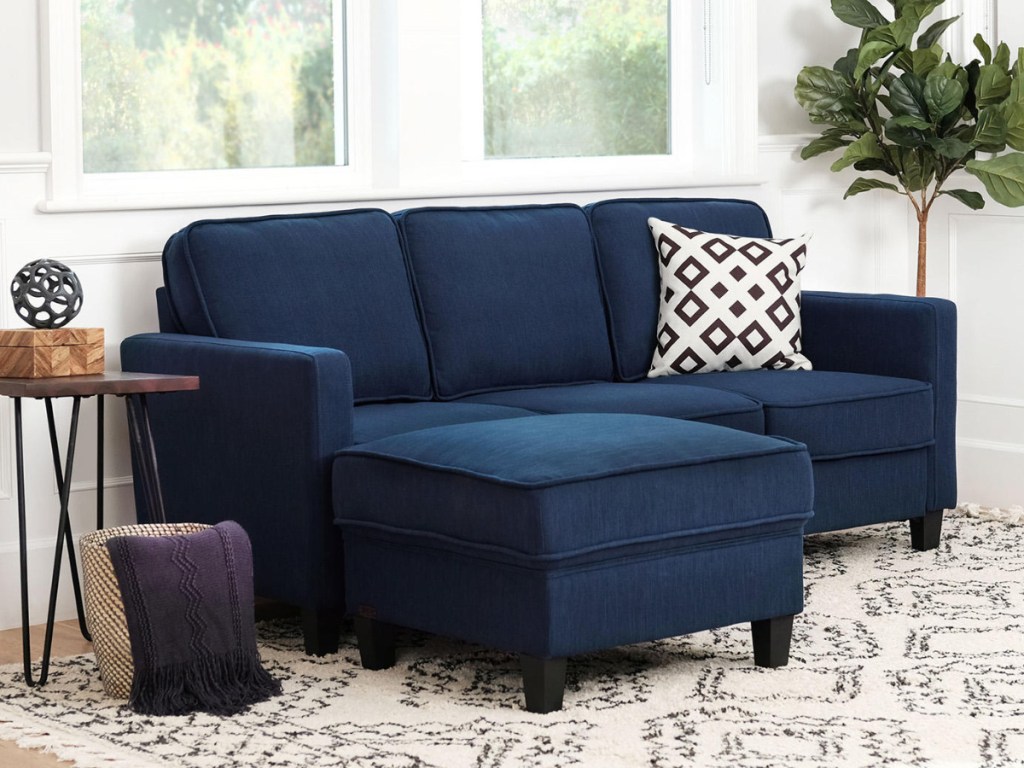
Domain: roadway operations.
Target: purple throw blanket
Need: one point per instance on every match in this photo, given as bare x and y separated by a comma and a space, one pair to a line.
189, 604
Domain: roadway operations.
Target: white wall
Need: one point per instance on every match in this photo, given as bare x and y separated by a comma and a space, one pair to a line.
863, 244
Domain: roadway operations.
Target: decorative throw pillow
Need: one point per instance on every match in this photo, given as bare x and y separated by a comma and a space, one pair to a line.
727, 303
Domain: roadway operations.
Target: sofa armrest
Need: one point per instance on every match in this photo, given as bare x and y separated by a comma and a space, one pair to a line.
913, 338
254, 444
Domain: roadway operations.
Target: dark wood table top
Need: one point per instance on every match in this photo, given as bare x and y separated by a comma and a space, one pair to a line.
109, 383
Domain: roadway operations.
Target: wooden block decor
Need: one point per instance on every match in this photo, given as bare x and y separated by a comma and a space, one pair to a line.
32, 353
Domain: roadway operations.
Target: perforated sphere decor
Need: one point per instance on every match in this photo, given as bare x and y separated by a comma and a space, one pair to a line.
47, 294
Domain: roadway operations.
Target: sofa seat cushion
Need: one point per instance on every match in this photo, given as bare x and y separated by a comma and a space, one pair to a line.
335, 280
834, 414
727, 409
510, 296
547, 488
376, 420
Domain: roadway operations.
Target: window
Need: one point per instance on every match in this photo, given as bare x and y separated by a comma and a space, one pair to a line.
566, 79
190, 86
195, 103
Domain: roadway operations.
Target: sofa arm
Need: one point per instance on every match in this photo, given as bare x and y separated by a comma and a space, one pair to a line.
254, 444
913, 338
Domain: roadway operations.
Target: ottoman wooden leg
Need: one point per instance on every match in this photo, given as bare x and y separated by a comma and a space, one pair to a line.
925, 531
320, 630
771, 641
543, 683
376, 643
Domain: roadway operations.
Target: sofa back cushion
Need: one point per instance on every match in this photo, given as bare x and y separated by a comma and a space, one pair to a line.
326, 279
510, 296
629, 262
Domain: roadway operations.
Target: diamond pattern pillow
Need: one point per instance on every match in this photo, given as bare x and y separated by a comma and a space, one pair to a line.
727, 303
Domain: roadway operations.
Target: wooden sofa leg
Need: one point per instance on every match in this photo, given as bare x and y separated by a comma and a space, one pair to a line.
376, 643
771, 641
543, 683
925, 531
321, 629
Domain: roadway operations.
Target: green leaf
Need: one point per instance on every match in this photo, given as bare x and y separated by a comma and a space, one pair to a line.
1003, 178
863, 148
846, 65
904, 98
972, 200
918, 169
863, 185
904, 137
908, 121
898, 33
942, 95
871, 53
983, 48
875, 164
1014, 114
920, 62
931, 35
823, 144
858, 13
820, 91
993, 86
951, 147
991, 130
1002, 57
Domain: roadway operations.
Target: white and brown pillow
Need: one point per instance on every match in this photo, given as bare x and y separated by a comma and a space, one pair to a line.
727, 303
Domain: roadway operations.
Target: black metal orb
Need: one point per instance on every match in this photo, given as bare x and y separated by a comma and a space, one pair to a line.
47, 294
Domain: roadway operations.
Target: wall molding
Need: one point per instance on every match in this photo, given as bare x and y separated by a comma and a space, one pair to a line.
99, 259
78, 486
990, 445
1003, 402
24, 162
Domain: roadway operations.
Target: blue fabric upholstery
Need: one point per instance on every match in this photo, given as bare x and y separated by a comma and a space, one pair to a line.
376, 420
512, 533
575, 610
557, 485
912, 338
726, 409
834, 414
629, 267
254, 444
864, 490
510, 296
335, 280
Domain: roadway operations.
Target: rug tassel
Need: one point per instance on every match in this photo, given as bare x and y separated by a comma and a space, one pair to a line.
1013, 515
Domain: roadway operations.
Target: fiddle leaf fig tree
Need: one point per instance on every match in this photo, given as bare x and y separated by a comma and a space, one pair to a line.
898, 105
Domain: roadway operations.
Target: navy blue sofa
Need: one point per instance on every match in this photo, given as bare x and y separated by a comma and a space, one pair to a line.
319, 333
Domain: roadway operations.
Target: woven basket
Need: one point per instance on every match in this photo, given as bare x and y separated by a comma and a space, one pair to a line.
104, 608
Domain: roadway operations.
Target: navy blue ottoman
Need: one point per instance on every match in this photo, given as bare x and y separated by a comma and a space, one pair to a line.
555, 535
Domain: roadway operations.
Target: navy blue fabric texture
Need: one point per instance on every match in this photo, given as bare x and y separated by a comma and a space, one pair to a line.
864, 490
254, 444
336, 280
166, 321
726, 409
629, 267
834, 414
582, 609
912, 338
556, 485
510, 296
376, 420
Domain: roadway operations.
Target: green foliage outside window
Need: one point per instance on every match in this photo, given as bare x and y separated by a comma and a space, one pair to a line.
567, 78
192, 84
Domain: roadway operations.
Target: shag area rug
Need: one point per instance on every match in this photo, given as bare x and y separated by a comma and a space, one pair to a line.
901, 658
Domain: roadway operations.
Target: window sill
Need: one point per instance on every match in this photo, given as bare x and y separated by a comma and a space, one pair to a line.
372, 195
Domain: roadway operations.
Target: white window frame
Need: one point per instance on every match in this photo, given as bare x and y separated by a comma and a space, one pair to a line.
410, 139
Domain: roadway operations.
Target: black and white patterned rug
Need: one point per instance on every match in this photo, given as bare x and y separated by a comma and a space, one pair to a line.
901, 658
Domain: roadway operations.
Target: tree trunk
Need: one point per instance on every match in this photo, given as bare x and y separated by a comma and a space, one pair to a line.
922, 251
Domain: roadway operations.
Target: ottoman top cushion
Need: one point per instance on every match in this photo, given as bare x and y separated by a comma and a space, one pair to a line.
534, 452
563, 486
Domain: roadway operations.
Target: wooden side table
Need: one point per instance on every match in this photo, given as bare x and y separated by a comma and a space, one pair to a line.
133, 387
